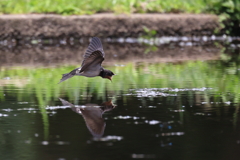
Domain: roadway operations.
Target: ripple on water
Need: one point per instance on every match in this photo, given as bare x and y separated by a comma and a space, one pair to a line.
152, 122
173, 134
27, 109
23, 102
64, 107
163, 92
128, 117
177, 110
135, 155
202, 114
57, 107
109, 138
55, 142
3, 115
7, 110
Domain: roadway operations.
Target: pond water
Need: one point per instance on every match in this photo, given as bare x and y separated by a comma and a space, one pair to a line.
185, 110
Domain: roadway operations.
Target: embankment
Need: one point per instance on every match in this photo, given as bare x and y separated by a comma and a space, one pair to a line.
106, 25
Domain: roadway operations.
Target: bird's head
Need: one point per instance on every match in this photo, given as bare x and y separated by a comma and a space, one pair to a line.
107, 74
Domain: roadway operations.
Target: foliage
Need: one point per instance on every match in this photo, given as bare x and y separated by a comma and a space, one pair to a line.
69, 7
227, 10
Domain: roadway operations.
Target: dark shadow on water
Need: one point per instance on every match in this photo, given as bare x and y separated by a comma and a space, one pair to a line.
92, 115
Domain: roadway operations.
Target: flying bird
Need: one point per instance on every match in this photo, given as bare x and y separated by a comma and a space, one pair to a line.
91, 65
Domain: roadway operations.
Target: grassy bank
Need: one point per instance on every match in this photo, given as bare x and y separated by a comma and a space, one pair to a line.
226, 9
68, 7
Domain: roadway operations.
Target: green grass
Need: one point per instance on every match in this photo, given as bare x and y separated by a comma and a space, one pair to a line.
226, 9
69, 7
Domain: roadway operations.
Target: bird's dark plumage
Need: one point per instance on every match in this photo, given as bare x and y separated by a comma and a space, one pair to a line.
95, 45
94, 59
91, 65
68, 75
106, 73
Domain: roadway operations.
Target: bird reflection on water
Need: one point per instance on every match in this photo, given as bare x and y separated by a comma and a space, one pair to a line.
92, 115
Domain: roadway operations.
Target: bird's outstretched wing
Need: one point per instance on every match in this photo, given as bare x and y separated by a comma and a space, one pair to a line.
95, 45
93, 62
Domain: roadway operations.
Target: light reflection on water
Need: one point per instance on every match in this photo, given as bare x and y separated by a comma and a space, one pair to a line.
190, 111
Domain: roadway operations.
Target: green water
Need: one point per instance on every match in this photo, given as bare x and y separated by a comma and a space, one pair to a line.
187, 110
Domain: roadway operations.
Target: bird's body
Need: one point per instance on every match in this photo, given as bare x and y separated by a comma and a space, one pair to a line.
91, 65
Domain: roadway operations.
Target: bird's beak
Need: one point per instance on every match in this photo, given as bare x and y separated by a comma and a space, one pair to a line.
109, 77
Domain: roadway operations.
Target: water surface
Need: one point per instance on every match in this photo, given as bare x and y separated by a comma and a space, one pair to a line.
187, 110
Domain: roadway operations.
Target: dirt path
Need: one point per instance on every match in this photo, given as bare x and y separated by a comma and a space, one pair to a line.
106, 25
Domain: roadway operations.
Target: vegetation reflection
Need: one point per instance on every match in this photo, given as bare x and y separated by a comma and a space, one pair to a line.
222, 77
207, 83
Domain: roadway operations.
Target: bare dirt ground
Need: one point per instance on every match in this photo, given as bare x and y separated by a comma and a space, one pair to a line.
106, 25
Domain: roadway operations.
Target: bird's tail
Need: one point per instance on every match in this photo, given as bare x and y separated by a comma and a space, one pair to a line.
66, 76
